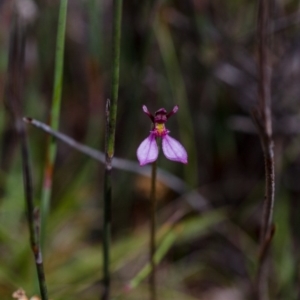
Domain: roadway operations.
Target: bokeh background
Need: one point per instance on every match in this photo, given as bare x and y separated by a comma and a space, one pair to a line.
201, 55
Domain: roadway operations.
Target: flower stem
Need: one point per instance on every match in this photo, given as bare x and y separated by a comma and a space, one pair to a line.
111, 116
54, 117
152, 279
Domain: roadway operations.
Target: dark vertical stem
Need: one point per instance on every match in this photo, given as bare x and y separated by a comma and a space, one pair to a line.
106, 232
32, 217
111, 117
14, 94
107, 213
263, 118
265, 110
152, 279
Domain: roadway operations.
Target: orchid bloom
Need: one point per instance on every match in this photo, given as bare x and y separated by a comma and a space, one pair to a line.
147, 152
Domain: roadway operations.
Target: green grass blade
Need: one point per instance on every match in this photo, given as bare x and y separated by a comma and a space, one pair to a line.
54, 116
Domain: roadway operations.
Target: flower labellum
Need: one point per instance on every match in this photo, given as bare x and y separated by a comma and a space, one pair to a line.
147, 152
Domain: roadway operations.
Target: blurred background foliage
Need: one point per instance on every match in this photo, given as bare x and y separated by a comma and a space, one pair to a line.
201, 55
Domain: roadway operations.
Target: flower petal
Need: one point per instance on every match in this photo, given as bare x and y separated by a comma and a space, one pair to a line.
148, 113
173, 150
173, 111
147, 152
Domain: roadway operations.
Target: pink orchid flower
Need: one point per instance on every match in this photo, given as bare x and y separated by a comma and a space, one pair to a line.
147, 152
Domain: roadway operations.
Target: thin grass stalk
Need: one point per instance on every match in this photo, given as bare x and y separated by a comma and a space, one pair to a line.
32, 215
152, 278
14, 95
111, 113
115, 78
106, 214
263, 119
54, 117
266, 115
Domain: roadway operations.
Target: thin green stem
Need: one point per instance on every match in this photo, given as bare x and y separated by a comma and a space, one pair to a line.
111, 117
54, 116
152, 279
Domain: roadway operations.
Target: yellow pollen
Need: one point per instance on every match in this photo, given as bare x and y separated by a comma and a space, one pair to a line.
160, 127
